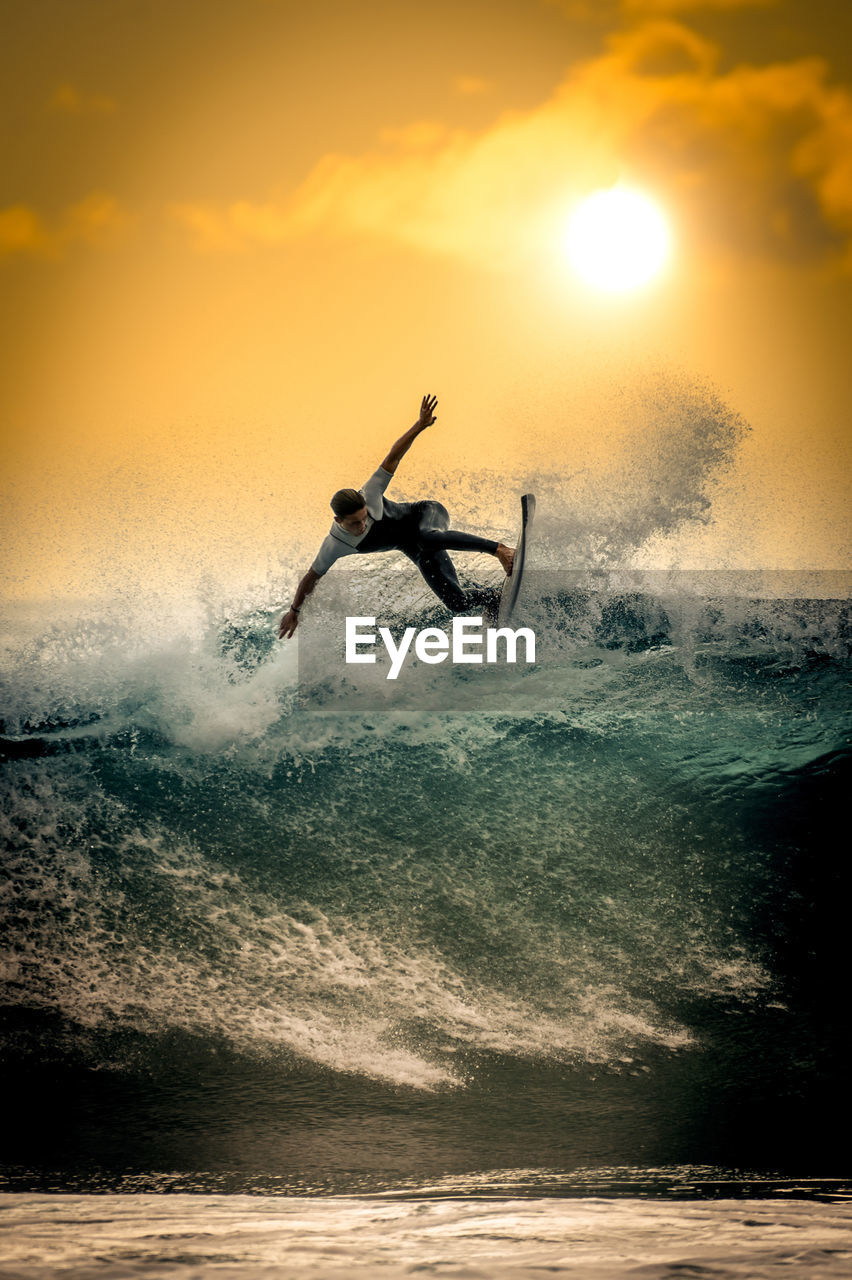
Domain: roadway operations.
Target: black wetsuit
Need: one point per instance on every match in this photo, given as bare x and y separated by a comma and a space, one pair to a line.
421, 531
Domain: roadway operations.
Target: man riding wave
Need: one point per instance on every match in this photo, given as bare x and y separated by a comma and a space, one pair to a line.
366, 521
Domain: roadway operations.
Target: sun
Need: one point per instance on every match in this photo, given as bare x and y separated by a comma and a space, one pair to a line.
617, 239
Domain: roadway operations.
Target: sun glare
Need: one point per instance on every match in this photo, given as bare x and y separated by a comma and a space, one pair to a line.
617, 239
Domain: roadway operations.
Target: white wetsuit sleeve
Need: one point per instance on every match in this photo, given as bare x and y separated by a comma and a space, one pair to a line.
373, 490
332, 549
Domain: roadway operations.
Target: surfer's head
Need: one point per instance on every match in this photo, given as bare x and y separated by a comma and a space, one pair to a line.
350, 510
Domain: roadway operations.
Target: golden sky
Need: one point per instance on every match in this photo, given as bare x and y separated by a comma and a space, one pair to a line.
239, 239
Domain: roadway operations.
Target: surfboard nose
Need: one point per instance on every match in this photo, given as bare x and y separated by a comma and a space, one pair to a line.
512, 582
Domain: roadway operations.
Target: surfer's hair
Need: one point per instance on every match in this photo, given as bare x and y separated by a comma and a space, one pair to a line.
347, 501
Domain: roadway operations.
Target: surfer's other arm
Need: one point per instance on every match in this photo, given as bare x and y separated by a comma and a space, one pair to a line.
404, 443
290, 621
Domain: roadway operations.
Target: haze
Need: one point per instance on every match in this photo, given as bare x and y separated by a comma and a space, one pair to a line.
238, 242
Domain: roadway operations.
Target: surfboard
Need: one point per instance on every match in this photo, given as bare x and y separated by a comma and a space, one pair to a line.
512, 584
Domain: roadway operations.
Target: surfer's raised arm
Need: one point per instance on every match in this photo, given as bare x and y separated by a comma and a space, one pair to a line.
427, 416
352, 516
365, 521
291, 618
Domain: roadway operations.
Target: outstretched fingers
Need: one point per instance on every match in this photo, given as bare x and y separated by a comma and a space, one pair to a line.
427, 409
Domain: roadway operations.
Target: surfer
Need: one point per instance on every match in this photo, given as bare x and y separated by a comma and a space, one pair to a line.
365, 521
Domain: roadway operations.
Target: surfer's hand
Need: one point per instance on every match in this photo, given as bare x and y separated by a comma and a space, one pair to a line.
289, 623
427, 411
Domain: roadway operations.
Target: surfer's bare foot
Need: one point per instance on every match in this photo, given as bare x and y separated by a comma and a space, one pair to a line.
506, 556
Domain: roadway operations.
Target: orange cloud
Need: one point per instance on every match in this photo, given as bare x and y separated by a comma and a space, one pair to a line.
825, 157
419, 136
755, 160
607, 10
668, 7
759, 155
96, 220
23, 231
69, 99
232, 228
472, 86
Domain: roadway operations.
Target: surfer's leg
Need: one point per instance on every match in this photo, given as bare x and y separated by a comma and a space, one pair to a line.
434, 533
454, 540
439, 573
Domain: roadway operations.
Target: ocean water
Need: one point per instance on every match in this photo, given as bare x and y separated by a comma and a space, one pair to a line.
551, 936
175, 1237
273, 925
